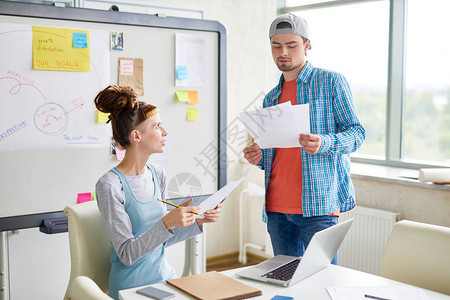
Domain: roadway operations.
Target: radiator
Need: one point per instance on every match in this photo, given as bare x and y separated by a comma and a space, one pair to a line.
362, 248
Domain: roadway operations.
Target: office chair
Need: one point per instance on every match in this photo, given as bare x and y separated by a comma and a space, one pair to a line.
84, 288
418, 254
90, 251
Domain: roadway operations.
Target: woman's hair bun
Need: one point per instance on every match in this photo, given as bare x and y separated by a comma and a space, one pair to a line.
116, 99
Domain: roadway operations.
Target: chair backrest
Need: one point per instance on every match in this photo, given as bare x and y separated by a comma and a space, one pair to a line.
418, 254
90, 247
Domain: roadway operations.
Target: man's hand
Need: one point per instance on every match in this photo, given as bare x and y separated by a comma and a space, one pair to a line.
253, 154
311, 143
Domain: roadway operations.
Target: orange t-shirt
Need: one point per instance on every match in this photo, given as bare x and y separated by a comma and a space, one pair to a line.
284, 194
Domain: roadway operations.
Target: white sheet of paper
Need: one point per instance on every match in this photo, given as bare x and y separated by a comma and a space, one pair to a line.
212, 201
190, 52
388, 292
279, 139
278, 126
277, 117
301, 115
250, 124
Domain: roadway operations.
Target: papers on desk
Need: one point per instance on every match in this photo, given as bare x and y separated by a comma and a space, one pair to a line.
377, 292
212, 201
278, 126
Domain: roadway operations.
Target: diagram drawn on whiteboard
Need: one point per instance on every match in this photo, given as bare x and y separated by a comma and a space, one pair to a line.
51, 118
42, 109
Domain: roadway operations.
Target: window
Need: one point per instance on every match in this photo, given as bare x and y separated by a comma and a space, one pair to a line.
396, 68
427, 72
360, 53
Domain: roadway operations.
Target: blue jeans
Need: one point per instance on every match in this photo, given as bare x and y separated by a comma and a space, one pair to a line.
290, 233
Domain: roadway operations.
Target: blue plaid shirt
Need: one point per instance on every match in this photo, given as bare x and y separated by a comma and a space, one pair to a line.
327, 185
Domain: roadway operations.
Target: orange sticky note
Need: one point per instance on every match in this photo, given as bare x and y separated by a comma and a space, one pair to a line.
193, 97
84, 197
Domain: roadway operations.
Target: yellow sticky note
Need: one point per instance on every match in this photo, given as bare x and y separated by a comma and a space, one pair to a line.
182, 96
192, 114
193, 97
60, 49
102, 117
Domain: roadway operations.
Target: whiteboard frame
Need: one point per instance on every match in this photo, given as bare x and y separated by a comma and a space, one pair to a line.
19, 9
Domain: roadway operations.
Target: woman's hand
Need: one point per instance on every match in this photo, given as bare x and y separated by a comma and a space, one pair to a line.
181, 216
210, 216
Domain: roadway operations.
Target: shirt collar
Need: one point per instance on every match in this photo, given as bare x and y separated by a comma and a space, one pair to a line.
305, 73
303, 76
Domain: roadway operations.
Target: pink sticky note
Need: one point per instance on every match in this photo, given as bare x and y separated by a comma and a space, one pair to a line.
120, 153
126, 67
84, 197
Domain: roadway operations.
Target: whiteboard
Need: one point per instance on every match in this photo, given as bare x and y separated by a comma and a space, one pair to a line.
41, 172
43, 110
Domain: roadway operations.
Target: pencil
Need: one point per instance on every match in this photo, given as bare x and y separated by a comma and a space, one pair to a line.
375, 297
194, 212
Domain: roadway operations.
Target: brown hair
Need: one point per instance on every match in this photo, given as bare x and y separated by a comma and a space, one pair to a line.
126, 112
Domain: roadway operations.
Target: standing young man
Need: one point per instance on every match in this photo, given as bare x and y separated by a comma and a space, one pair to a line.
307, 188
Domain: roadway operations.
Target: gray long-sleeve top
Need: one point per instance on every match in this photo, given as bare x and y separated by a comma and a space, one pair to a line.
111, 203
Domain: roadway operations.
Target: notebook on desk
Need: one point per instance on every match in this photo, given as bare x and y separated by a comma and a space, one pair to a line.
287, 270
214, 285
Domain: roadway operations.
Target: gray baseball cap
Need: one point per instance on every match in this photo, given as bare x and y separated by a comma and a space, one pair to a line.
298, 26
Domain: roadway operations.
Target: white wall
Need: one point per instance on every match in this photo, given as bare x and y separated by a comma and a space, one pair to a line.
251, 73
414, 203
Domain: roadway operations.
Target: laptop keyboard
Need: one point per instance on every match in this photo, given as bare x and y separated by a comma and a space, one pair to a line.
284, 272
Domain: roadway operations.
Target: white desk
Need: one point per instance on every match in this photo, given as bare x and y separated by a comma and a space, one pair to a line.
312, 287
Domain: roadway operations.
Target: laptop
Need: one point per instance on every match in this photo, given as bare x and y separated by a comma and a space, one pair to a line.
287, 270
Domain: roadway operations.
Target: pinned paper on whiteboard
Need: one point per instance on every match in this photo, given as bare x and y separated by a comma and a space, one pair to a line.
61, 49
192, 114
79, 40
84, 197
190, 56
131, 73
126, 67
182, 73
182, 96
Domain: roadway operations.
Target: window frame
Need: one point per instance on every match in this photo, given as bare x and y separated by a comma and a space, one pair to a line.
396, 82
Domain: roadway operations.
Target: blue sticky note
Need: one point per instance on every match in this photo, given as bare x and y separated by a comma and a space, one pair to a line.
79, 40
278, 297
182, 73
